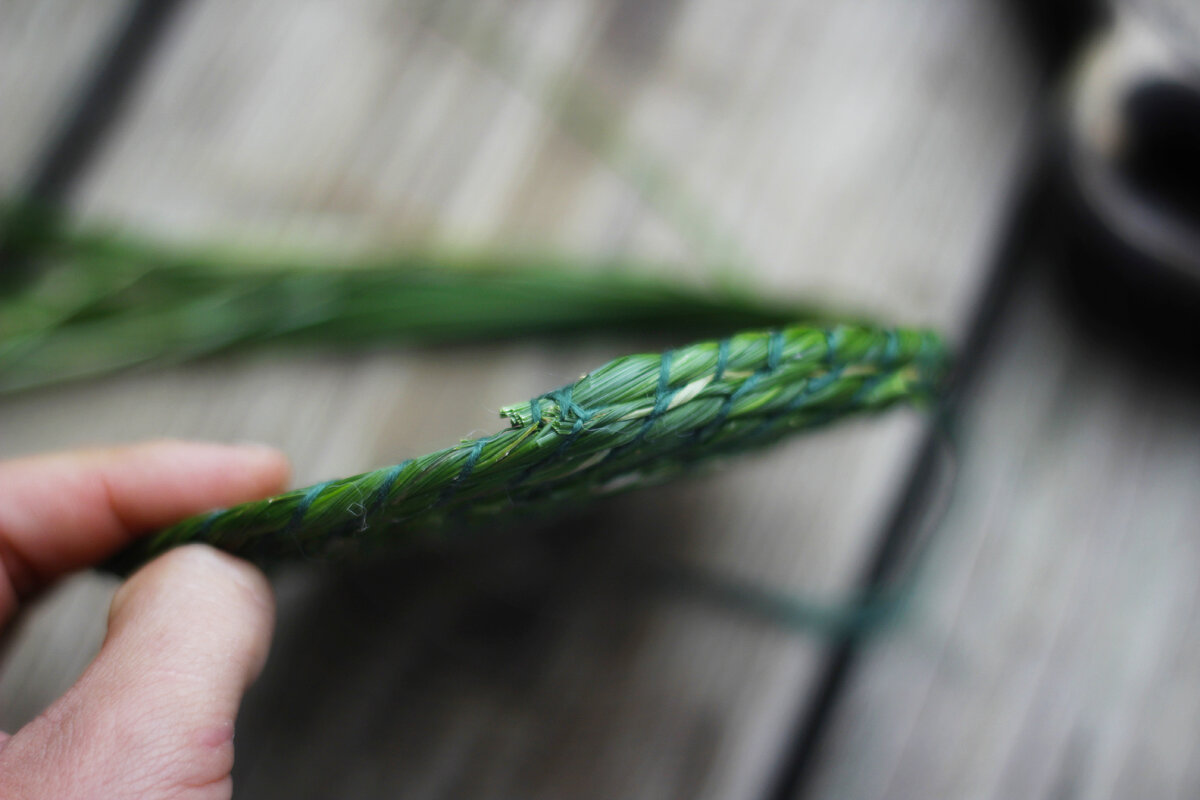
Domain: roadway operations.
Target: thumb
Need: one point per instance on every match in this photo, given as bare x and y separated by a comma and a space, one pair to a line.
153, 714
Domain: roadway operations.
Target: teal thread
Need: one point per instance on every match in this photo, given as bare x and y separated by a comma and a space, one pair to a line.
811, 387
774, 350
891, 348
378, 498
568, 408
663, 395
297, 518
464, 474
385, 488
722, 359
727, 406
832, 345
205, 527
774, 347
867, 387
305, 504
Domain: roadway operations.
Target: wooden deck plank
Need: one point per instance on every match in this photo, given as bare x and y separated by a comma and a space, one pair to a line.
45, 47
1056, 651
866, 167
280, 151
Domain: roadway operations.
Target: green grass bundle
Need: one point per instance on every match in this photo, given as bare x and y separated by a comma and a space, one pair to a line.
633, 422
102, 301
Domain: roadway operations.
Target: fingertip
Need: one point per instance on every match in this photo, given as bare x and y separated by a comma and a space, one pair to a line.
60, 512
268, 463
154, 713
228, 599
241, 471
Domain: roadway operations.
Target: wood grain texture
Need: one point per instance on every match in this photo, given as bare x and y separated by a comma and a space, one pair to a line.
858, 155
45, 47
1056, 652
379, 121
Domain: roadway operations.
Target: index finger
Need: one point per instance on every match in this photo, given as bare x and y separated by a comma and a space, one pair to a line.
65, 511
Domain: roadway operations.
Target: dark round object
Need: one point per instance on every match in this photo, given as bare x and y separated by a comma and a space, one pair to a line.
1131, 170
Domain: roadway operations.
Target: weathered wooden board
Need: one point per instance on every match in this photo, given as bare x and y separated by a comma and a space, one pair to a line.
1056, 652
45, 48
381, 121
854, 154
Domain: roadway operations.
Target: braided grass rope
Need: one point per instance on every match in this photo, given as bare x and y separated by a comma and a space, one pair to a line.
104, 300
636, 421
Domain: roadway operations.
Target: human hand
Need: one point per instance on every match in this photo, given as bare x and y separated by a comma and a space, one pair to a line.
152, 716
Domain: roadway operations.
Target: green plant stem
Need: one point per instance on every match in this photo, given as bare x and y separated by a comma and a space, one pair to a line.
107, 301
